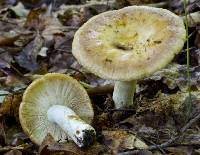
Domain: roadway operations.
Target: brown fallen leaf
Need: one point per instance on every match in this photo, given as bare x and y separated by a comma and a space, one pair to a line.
27, 58
117, 141
48, 140
71, 149
10, 106
13, 152
34, 20
49, 146
8, 41
75, 15
181, 150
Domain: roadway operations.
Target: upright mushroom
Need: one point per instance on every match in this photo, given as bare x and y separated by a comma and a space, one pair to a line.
57, 104
128, 44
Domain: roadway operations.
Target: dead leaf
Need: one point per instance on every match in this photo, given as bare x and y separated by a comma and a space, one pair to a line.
13, 152
174, 76
72, 149
121, 140
33, 19
10, 106
182, 150
75, 16
5, 60
28, 57
60, 62
41, 19
48, 140
50, 31
8, 41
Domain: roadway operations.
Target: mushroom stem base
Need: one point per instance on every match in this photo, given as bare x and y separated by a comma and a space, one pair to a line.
123, 93
79, 131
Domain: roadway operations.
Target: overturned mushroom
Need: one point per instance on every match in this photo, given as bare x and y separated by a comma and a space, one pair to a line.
59, 105
128, 44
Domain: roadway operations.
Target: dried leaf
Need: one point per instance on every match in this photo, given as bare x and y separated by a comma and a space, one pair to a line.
75, 16
121, 140
33, 19
10, 106
8, 41
28, 57
13, 152
48, 140
182, 150
72, 149
175, 76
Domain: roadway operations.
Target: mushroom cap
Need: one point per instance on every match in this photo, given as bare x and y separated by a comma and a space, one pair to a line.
41, 94
129, 43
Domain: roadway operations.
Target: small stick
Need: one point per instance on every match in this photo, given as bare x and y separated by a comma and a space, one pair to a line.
121, 110
19, 147
172, 140
100, 90
169, 142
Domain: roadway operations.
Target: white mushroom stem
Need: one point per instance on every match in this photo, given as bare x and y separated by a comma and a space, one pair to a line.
123, 93
79, 131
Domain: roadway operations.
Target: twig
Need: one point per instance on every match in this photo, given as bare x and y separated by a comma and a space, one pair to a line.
19, 147
100, 90
121, 110
169, 142
172, 140
161, 149
189, 124
132, 152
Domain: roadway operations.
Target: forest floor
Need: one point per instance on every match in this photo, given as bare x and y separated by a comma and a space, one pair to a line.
36, 39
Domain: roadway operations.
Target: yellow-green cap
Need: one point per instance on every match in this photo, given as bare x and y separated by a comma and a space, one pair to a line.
130, 43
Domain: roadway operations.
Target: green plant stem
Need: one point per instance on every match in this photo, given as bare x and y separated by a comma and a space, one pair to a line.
188, 60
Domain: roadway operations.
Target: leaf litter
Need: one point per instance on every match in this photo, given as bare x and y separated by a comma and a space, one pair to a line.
36, 38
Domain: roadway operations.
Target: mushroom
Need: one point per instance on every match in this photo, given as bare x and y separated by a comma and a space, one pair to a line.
128, 44
59, 105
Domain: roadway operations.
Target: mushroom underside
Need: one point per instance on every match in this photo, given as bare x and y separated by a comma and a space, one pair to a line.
52, 89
